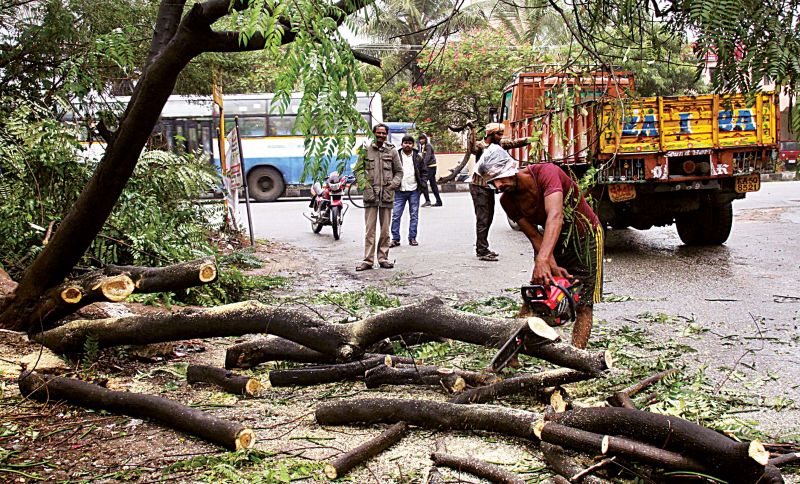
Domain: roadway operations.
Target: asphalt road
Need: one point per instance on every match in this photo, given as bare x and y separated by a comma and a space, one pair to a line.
723, 288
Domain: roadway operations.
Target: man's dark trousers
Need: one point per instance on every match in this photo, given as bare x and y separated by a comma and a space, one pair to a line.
483, 201
434, 186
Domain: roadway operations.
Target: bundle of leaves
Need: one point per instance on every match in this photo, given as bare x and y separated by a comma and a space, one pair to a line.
43, 169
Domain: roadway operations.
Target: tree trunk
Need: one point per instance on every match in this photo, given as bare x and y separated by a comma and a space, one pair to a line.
236, 384
622, 398
231, 435
525, 384
452, 380
344, 463
484, 470
427, 414
739, 461
343, 341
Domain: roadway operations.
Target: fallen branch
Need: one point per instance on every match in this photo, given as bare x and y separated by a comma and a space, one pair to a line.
482, 469
784, 459
236, 384
427, 414
316, 375
231, 435
559, 462
116, 283
592, 443
345, 342
740, 461
343, 464
453, 380
622, 398
170, 278
274, 348
65, 299
526, 384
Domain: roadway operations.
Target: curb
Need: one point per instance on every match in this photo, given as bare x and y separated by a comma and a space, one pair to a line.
782, 176
303, 191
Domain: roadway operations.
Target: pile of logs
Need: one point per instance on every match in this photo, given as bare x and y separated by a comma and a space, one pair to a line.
618, 434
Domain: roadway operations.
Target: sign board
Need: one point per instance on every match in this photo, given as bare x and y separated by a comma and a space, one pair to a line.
234, 160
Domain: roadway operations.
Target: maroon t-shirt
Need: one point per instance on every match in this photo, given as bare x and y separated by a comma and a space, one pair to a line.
549, 178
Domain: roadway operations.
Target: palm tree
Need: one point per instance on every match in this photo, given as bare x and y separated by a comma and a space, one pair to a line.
411, 25
532, 22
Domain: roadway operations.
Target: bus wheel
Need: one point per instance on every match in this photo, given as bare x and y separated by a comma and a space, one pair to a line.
265, 184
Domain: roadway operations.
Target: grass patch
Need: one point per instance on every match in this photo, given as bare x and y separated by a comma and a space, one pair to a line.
246, 466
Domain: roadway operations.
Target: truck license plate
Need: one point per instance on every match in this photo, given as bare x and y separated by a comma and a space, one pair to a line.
749, 183
622, 192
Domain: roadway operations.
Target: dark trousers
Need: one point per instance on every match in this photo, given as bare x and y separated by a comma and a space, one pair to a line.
483, 201
434, 186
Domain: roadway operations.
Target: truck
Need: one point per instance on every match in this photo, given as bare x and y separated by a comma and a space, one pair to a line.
652, 161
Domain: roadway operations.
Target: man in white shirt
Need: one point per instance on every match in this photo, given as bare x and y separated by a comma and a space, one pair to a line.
414, 176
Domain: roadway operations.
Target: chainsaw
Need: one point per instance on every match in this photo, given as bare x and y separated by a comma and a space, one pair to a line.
556, 304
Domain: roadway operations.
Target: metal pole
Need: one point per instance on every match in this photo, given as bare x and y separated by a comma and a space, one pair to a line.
244, 184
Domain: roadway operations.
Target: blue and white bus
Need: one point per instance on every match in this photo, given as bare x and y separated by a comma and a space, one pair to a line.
273, 156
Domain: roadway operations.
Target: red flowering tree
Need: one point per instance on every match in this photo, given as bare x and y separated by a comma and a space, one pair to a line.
464, 78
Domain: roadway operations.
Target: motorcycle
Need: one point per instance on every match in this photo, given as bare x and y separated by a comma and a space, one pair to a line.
326, 202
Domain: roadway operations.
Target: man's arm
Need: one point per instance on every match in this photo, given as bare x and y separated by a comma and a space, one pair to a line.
397, 171
508, 143
545, 266
532, 233
360, 170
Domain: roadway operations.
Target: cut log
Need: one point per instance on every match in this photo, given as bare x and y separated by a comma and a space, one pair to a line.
620, 399
271, 348
560, 462
70, 296
343, 341
726, 458
225, 379
317, 375
274, 348
525, 384
344, 463
452, 380
476, 467
170, 278
594, 444
427, 414
231, 435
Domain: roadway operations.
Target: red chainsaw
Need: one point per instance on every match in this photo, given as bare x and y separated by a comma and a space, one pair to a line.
556, 304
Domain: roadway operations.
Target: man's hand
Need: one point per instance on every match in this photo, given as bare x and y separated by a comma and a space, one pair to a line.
545, 271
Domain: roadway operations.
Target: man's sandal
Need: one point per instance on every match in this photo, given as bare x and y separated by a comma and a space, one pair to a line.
488, 257
363, 267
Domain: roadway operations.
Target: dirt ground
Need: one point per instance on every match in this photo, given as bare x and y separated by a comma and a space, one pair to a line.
55, 442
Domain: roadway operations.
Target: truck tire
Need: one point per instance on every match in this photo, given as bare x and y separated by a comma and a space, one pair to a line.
711, 225
265, 184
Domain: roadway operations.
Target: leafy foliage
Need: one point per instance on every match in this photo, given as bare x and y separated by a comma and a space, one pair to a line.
465, 79
154, 223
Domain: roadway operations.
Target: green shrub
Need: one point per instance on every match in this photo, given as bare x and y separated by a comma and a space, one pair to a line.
155, 222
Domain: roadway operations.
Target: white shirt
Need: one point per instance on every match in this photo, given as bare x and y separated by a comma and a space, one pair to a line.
409, 183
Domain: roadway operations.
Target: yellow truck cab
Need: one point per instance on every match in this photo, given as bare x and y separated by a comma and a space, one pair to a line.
656, 160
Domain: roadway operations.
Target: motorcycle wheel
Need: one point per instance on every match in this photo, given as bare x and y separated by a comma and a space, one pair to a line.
335, 221
316, 227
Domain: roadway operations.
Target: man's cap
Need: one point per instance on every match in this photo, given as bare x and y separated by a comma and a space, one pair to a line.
493, 128
491, 170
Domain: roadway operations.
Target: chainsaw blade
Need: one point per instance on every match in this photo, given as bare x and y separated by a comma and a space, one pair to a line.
509, 349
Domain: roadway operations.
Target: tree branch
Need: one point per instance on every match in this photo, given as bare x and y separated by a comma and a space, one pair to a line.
169, 17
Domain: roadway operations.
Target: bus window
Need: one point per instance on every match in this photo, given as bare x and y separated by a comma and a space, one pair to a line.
205, 137
242, 107
248, 127
281, 126
368, 119
192, 136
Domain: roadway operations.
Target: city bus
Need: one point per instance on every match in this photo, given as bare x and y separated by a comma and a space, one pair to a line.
274, 156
